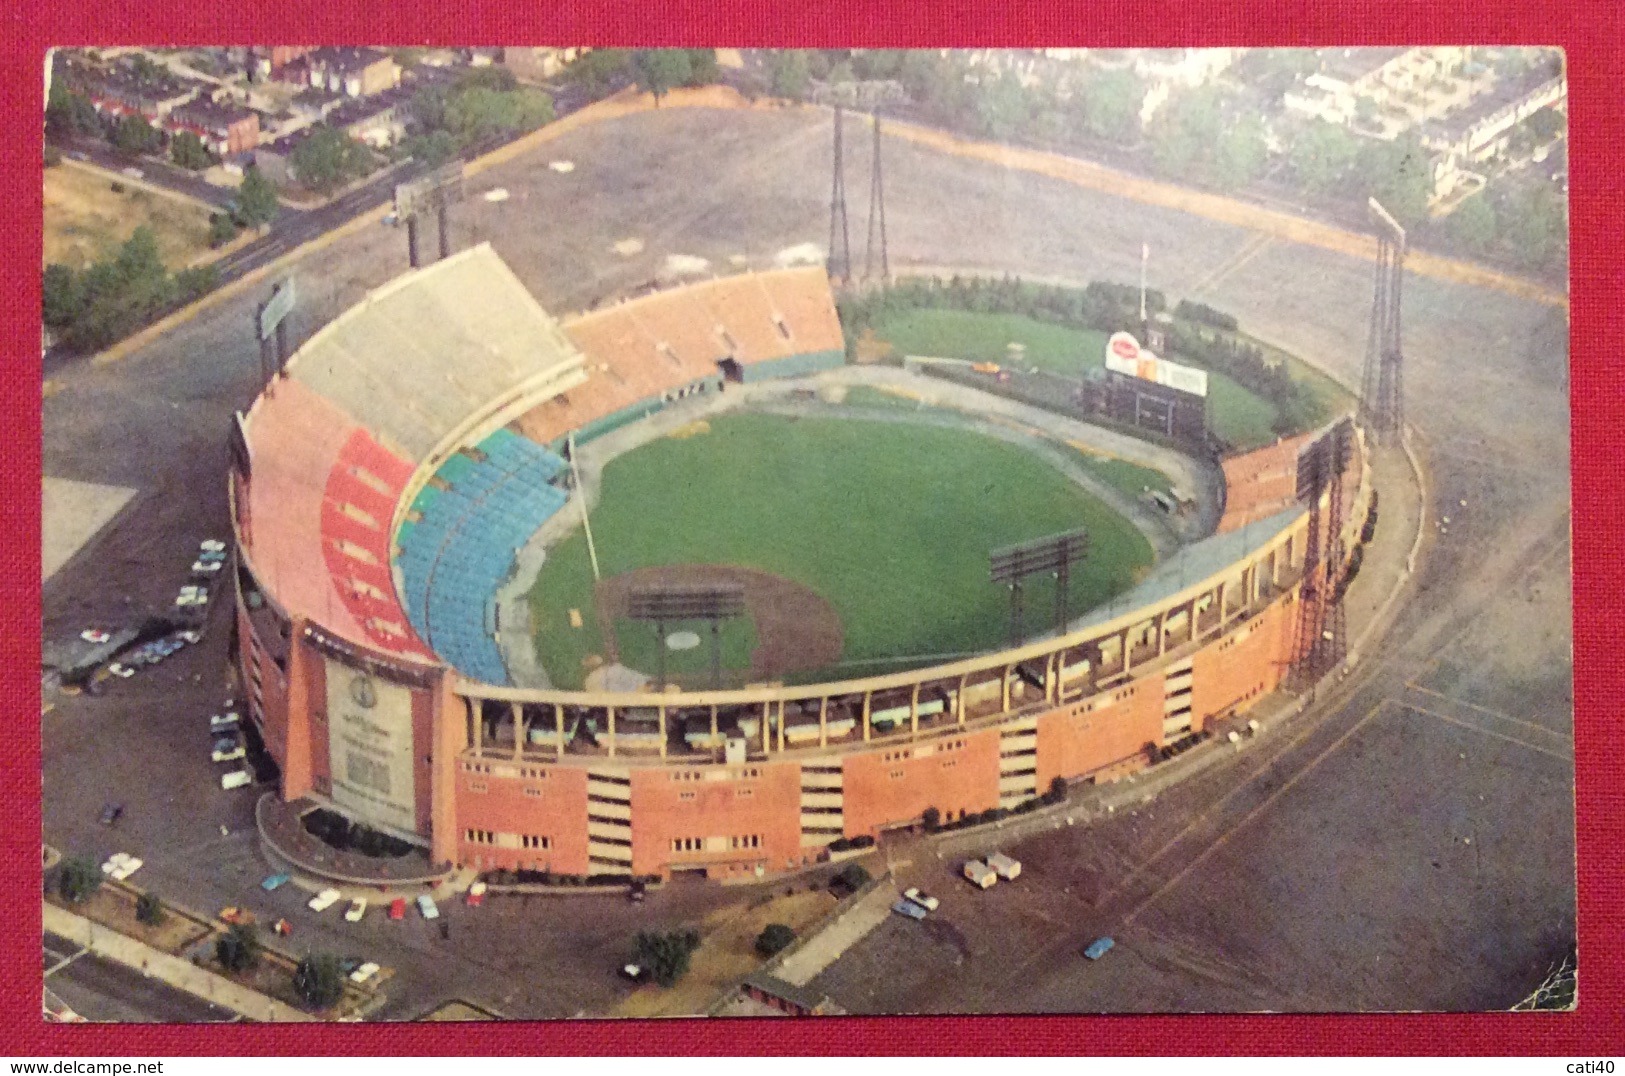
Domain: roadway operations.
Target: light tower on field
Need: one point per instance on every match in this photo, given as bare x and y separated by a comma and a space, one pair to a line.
1382, 389
840, 260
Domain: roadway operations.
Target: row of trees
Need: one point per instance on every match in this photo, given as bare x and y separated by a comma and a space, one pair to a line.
92, 307
68, 113
318, 979
482, 102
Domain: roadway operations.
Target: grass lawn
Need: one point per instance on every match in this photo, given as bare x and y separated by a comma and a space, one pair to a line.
1130, 478
86, 220
1234, 413
892, 523
965, 334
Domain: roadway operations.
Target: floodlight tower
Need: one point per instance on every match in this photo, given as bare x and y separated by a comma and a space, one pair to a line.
877, 212
1382, 389
1322, 625
840, 266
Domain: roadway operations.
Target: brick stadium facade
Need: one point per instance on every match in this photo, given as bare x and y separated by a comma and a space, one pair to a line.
361, 714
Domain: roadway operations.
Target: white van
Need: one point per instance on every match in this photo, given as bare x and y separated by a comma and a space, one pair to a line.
236, 779
980, 874
1007, 868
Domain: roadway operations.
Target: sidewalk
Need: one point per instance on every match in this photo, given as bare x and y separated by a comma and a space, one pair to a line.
178, 973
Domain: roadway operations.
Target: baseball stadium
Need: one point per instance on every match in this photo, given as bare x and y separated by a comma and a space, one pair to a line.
674, 584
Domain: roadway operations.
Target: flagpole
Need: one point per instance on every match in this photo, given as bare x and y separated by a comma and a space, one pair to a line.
1145, 256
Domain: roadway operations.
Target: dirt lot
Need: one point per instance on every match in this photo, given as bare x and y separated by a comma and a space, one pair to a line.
727, 951
86, 220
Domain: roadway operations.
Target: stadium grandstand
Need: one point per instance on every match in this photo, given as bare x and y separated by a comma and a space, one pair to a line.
409, 450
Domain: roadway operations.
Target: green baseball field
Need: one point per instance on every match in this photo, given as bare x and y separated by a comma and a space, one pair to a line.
861, 545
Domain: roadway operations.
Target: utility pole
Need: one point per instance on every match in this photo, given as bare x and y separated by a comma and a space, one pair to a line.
840, 266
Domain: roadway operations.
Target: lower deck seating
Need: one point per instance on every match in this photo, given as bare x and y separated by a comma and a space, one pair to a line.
459, 541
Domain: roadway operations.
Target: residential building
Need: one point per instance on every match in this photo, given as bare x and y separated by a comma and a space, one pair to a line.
226, 130
354, 72
539, 64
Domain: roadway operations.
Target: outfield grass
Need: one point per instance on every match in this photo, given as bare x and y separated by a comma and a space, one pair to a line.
1129, 478
890, 522
1236, 414
966, 334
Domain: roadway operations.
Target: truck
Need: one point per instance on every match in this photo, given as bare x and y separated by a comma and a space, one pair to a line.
980, 874
909, 908
1006, 868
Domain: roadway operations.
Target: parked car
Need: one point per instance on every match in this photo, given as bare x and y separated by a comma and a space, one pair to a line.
476, 895
206, 567
356, 910
236, 779
112, 813
212, 545
274, 882
190, 636
282, 928
364, 972
397, 908
226, 722
1099, 948
92, 635
924, 900
120, 670
427, 907
909, 908
229, 754
1007, 868
980, 874
120, 865
323, 900
637, 892
635, 972
235, 915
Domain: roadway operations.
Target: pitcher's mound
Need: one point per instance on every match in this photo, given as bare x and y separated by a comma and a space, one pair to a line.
796, 628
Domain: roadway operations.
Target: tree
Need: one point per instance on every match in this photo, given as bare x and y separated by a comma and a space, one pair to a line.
480, 112
853, 876
188, 151
1001, 107
787, 68
149, 909
329, 158
1473, 224
432, 148
1321, 156
774, 939
1545, 125
703, 69
67, 113
256, 204
222, 229
239, 948
1239, 153
658, 71
1536, 224
931, 818
1111, 105
597, 70
666, 955
319, 980
1398, 174
62, 296
78, 879
135, 136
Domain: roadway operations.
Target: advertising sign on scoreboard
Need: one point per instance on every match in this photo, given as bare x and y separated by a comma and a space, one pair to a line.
369, 739
1124, 355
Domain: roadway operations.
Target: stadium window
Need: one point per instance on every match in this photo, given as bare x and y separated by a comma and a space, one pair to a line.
744, 793
476, 786
896, 774
529, 840
532, 791
685, 795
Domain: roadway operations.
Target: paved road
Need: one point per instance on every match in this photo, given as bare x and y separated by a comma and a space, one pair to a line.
96, 151
102, 990
1321, 879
